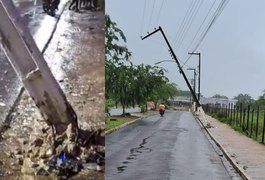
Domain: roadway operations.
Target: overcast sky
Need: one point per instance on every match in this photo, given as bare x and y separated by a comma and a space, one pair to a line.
233, 51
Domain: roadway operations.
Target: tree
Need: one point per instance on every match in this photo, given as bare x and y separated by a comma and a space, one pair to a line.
184, 93
163, 92
261, 100
245, 99
116, 55
220, 96
114, 37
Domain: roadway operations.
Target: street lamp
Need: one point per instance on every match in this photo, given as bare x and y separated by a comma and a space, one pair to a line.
165, 61
199, 74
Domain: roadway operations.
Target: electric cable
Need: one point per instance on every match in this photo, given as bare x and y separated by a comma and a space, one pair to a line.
201, 26
217, 13
184, 21
142, 24
152, 11
191, 5
191, 20
159, 12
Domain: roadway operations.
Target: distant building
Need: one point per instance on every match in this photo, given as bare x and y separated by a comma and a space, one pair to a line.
186, 101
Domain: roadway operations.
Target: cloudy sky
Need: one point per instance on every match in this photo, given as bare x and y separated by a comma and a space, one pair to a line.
232, 52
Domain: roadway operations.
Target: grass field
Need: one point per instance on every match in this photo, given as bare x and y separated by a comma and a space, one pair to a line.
250, 124
114, 121
119, 120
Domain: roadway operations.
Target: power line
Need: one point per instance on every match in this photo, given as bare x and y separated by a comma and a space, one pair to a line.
184, 20
201, 25
152, 13
217, 13
211, 23
190, 22
142, 24
189, 46
159, 12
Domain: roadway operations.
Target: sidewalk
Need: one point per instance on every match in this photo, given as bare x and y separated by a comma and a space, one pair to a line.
247, 154
76, 58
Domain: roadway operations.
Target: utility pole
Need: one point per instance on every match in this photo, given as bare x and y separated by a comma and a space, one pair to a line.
194, 84
199, 74
175, 58
28, 62
194, 76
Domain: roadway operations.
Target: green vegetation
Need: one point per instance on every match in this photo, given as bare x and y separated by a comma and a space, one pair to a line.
114, 121
109, 124
250, 124
244, 99
220, 96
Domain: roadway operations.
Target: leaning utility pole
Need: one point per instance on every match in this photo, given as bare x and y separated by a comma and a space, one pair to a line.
28, 62
179, 66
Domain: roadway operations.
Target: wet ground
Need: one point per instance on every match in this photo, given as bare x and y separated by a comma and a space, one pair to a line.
36, 20
169, 147
76, 58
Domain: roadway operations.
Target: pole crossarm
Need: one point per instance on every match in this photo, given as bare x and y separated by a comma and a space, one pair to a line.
175, 58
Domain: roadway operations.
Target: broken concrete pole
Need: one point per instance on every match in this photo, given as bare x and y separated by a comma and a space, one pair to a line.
28, 62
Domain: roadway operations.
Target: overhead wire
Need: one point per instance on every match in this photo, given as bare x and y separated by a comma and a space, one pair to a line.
159, 12
152, 11
142, 24
217, 13
190, 22
211, 23
194, 37
191, 5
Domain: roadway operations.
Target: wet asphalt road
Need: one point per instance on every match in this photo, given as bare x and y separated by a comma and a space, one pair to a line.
170, 147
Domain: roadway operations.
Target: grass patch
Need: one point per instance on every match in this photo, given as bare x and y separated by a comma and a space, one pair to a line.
244, 125
119, 120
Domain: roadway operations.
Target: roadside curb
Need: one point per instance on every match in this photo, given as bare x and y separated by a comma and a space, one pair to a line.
7, 120
125, 124
225, 152
121, 126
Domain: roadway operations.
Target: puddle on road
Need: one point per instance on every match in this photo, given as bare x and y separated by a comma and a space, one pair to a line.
134, 153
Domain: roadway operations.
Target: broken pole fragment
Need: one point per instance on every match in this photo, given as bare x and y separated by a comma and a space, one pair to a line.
28, 62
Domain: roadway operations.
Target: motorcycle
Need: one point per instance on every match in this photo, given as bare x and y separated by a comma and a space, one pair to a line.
50, 6
161, 112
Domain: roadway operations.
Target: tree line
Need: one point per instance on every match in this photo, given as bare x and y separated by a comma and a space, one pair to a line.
127, 84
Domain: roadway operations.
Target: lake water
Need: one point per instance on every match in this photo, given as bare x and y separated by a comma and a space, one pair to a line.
118, 111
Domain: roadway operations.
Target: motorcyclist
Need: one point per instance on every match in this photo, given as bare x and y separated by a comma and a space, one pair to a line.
162, 109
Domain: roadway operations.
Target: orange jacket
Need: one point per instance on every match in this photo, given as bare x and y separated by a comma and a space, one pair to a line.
161, 107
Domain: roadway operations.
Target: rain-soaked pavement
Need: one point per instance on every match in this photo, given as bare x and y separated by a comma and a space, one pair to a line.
76, 58
170, 147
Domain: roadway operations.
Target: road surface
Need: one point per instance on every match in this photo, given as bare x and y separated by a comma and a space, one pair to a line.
170, 147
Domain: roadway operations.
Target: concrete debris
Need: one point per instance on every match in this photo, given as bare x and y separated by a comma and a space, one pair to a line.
2, 104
